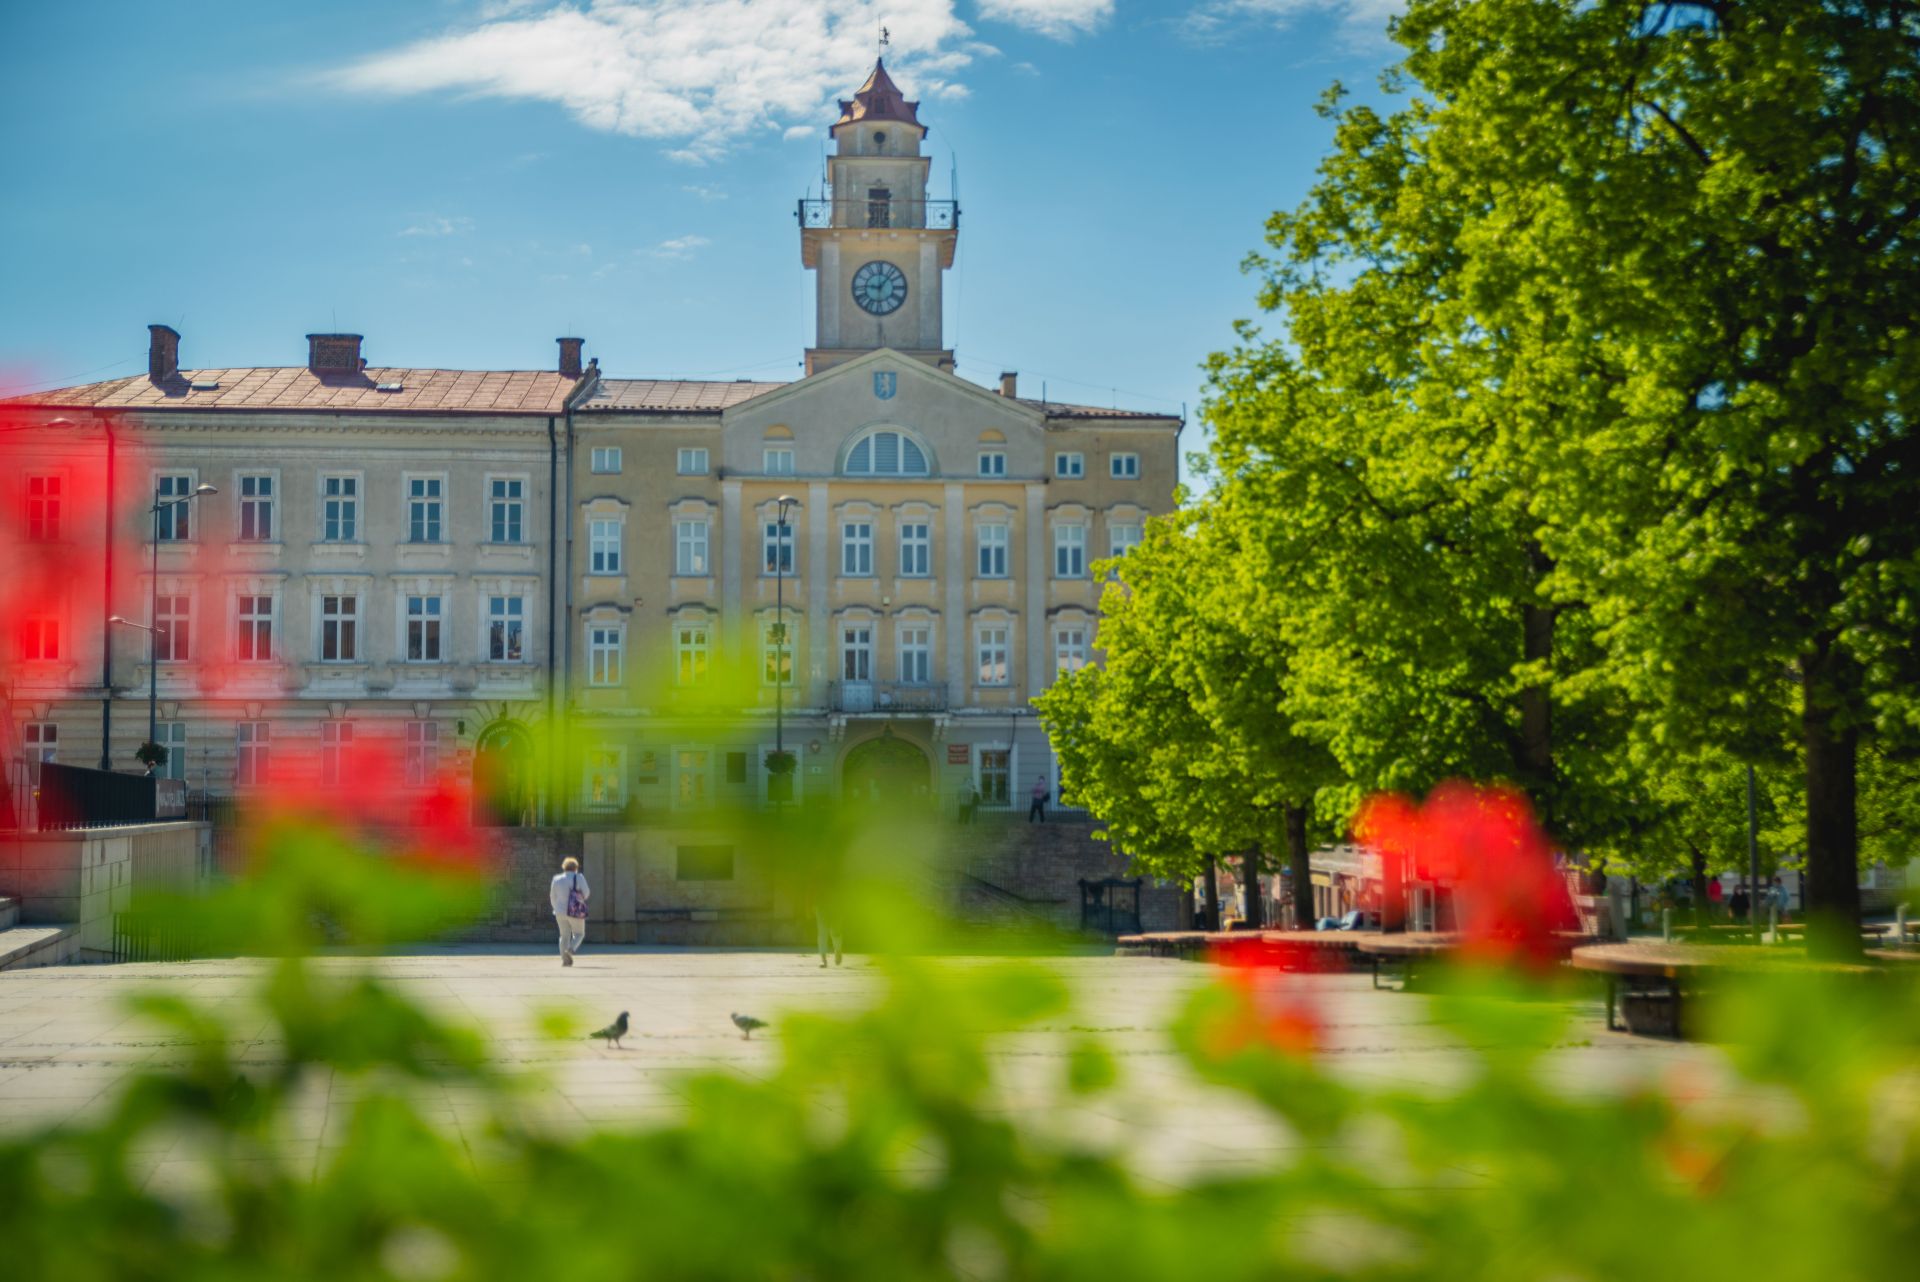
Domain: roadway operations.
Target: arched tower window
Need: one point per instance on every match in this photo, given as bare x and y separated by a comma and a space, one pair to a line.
886, 453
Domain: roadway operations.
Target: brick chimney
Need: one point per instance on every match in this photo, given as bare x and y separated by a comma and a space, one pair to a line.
334, 353
163, 353
1009, 383
570, 356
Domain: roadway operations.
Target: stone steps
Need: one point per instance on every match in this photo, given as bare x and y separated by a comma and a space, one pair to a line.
26, 946
9, 913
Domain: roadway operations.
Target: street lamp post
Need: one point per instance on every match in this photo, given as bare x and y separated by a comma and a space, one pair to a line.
152, 628
782, 549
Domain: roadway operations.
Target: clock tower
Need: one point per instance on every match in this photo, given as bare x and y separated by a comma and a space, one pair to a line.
877, 246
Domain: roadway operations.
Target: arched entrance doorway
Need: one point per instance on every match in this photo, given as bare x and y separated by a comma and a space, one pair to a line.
503, 776
886, 770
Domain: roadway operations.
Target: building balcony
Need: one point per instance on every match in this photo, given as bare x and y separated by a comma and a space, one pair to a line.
885, 699
936, 215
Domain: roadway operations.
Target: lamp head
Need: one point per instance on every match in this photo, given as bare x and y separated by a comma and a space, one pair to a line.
205, 489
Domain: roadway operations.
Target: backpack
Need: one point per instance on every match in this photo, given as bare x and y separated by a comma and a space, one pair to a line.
576, 902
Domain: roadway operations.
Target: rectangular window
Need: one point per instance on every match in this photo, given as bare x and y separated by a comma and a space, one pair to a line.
1069, 465
339, 509
993, 551
506, 502
255, 644
916, 655
606, 460
174, 616
996, 776
690, 654
606, 780
603, 547
993, 656
776, 655
423, 752
777, 460
1069, 551
172, 523
43, 740
256, 509
1069, 651
423, 629
916, 549
43, 508
692, 461
506, 629
172, 735
778, 543
993, 462
690, 548
690, 768
605, 649
856, 548
39, 638
1125, 466
856, 652
736, 767
339, 629
336, 749
424, 496
250, 739
1123, 539
879, 207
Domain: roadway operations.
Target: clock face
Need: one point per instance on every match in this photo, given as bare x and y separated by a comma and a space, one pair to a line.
880, 287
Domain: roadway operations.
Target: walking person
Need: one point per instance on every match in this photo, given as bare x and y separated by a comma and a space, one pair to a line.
1037, 812
969, 802
568, 898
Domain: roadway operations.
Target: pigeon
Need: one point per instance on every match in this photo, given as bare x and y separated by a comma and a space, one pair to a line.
615, 1031
746, 1024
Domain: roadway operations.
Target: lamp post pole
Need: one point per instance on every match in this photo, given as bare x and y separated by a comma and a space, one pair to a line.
782, 548
152, 628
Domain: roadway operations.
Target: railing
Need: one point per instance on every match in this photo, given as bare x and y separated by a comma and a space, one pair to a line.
886, 698
940, 215
78, 797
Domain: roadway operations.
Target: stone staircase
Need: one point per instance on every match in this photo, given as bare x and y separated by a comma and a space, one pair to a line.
24, 946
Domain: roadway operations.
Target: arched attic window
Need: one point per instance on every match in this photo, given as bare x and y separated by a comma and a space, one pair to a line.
886, 453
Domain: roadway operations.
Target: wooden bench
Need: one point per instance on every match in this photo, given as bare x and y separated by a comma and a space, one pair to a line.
1319, 948
1407, 951
1649, 983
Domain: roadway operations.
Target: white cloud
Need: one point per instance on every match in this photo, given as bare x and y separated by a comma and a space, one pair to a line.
798, 132
695, 73
439, 227
1362, 24
704, 192
1060, 19
679, 247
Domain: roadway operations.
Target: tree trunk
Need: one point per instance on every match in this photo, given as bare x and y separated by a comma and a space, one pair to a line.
1213, 893
1698, 858
1833, 835
1537, 621
1250, 884
1300, 862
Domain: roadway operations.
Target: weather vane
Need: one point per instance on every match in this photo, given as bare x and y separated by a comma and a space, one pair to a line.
886, 37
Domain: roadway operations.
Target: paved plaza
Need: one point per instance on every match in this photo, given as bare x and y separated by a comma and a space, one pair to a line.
67, 1043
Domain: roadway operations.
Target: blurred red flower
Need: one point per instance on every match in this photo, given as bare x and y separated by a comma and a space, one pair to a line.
1275, 1009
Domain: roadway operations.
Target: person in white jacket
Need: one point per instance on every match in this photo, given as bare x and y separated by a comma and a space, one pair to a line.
568, 898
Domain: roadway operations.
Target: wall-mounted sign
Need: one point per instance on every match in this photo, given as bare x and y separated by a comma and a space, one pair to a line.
959, 754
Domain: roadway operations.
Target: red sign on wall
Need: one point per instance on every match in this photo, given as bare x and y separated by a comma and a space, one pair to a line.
959, 754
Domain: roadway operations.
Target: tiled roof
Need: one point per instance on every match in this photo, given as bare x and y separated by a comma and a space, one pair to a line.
299, 388
1060, 409
879, 99
673, 395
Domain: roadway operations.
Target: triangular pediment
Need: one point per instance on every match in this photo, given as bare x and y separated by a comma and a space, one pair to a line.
916, 390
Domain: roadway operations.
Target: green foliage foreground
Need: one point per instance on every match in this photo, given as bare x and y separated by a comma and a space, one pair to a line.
821, 1171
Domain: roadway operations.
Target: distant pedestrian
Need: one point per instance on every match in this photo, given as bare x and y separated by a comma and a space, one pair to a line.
969, 802
827, 932
1779, 895
568, 898
1037, 812
1739, 903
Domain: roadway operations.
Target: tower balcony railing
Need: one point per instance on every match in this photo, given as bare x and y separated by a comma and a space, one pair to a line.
939, 215
886, 698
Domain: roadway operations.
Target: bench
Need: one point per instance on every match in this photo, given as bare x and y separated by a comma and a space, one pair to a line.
1649, 983
1407, 951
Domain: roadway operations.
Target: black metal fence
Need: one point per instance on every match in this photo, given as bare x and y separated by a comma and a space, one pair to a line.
146, 935
79, 797
1110, 906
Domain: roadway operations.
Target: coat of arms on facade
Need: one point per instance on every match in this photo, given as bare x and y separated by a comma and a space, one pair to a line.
885, 384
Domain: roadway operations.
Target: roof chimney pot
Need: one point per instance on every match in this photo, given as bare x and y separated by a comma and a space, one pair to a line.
1009, 384
570, 356
334, 354
163, 353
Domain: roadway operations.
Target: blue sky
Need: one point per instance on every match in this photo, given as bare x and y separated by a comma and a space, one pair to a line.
463, 181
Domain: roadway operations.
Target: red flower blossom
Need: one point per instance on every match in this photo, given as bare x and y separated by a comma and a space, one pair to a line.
1275, 1009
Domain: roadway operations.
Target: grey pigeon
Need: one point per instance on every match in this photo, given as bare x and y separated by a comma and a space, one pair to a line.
746, 1024
615, 1031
